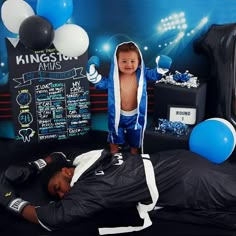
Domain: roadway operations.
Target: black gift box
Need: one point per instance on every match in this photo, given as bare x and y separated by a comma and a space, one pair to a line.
167, 95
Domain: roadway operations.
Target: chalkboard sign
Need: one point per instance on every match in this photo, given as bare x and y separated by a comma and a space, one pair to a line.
50, 93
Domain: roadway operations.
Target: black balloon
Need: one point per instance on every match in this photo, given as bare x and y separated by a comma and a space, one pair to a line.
218, 44
36, 33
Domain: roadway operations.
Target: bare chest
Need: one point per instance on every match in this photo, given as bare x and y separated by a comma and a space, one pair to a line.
128, 83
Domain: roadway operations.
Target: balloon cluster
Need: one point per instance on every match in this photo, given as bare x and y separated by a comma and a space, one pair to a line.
213, 139
48, 26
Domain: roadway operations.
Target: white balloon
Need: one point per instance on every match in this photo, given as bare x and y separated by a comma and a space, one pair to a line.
14, 12
227, 123
71, 40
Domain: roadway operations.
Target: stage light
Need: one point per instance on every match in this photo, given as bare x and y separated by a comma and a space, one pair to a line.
174, 21
106, 47
199, 27
204, 20
179, 36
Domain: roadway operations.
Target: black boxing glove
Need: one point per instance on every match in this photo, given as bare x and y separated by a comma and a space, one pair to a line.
9, 198
18, 174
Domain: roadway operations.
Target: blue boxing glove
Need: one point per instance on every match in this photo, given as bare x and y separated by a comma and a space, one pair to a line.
163, 64
91, 71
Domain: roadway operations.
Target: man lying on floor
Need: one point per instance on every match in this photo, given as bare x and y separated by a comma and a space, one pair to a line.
98, 180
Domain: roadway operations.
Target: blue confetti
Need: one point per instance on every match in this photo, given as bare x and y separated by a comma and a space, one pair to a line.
181, 77
170, 127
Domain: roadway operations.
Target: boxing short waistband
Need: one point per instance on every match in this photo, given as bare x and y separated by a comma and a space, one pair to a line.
129, 113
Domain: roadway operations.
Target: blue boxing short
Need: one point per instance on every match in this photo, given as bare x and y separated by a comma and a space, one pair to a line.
126, 130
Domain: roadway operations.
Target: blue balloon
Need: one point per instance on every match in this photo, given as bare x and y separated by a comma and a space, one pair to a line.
57, 12
3, 79
213, 140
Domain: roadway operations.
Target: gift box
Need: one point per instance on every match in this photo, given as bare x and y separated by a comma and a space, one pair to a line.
180, 103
